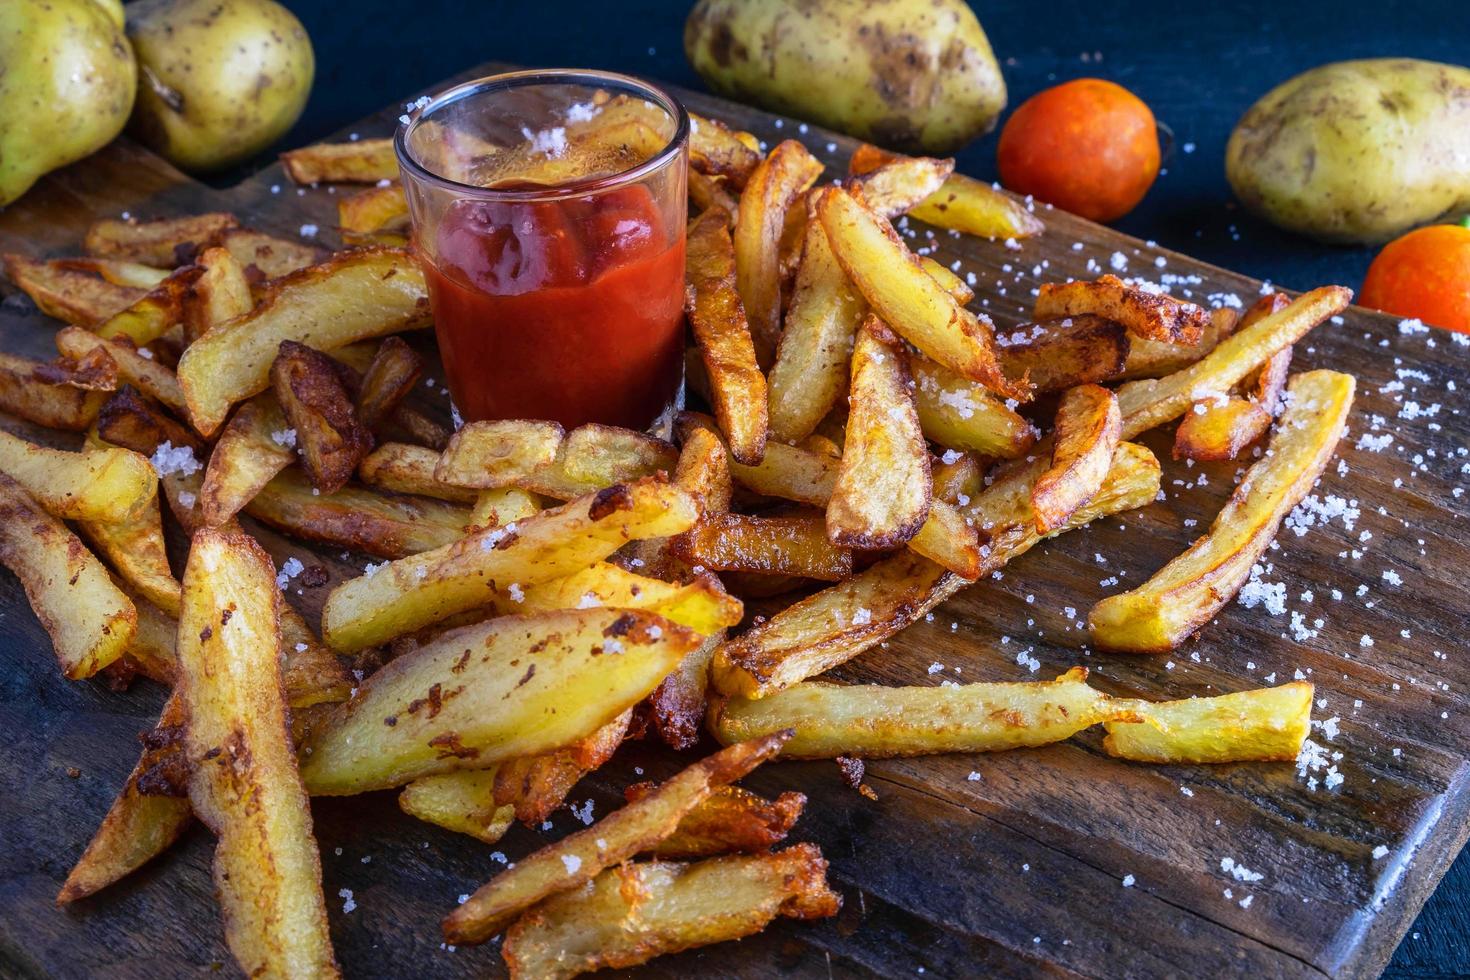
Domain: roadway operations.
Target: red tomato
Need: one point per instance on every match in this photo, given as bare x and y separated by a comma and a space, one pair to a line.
1424, 274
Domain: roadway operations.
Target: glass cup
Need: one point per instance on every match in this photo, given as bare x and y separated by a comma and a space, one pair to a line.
548, 212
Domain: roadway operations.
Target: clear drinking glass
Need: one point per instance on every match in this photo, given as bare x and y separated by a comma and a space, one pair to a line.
548, 211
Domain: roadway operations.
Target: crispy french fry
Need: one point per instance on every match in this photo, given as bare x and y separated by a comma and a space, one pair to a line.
677, 705
959, 480
948, 540
1156, 358
482, 694
266, 257
906, 297
631, 914
952, 283
774, 184
869, 721
700, 604
795, 544
497, 508
135, 549
491, 455
717, 320
1263, 725
154, 649
243, 781
706, 192
373, 211
118, 271
314, 400
962, 204
881, 497
1186, 593
595, 456
68, 293
462, 801
395, 369
704, 470
24, 391
355, 162
255, 445
353, 296
217, 295
615, 838
402, 468
164, 243
961, 414
534, 786
153, 314
1058, 354
155, 380
729, 819
1153, 315
414, 592
94, 485
786, 471
1082, 445
897, 186
1148, 403
716, 150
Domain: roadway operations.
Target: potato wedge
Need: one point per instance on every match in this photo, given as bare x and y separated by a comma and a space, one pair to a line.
1086, 434
1064, 353
729, 819
255, 445
1268, 724
94, 485
68, 293
962, 203
153, 314
217, 295
462, 801
897, 186
961, 414
27, 390
369, 212
881, 497
718, 151
355, 162
491, 455
395, 369
581, 856
136, 551
1149, 314
774, 184
704, 470
907, 298
314, 400
133, 365
353, 296
786, 471
873, 722
165, 243
534, 786
1148, 403
482, 694
429, 587
631, 914
795, 544
717, 320
958, 480
945, 276
90, 621
701, 604
948, 540
1187, 593
403, 468
265, 257
243, 781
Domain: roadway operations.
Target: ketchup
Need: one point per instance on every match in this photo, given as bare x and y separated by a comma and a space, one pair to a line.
569, 310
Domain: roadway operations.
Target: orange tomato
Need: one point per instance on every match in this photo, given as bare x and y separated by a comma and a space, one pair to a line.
1088, 146
1424, 274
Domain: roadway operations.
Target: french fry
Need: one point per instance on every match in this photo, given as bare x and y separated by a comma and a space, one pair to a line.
482, 694
1188, 591
907, 298
428, 587
795, 544
357, 518
706, 192
135, 549
729, 819
1156, 358
118, 272
153, 314
700, 604
68, 293
255, 445
786, 471
1082, 446
355, 162
615, 838
872, 722
153, 378
373, 211
810, 374
218, 294
1263, 725
881, 497
787, 172
1058, 354
165, 243
589, 458
718, 322
89, 620
716, 150
1152, 315
962, 204
93, 371
402, 468
1148, 403
497, 508
959, 480
534, 786
677, 705
896, 187
353, 296
945, 276
631, 914
265, 257
395, 369
154, 650
25, 392
462, 801
491, 455
704, 470
961, 414
243, 782
93, 485
947, 539
311, 395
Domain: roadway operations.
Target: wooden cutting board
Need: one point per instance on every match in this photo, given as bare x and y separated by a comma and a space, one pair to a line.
1057, 861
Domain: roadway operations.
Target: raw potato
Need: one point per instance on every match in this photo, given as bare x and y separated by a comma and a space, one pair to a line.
1357, 151
219, 81
917, 75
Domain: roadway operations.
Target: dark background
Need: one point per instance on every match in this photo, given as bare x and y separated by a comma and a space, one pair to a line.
1198, 65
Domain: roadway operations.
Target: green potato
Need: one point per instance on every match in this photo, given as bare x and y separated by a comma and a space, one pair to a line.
914, 75
221, 79
67, 79
1357, 151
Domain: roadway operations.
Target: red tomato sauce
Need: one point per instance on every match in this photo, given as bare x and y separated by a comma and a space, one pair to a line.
568, 310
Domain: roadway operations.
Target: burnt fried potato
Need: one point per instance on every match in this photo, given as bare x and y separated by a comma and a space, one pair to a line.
1064, 353
1151, 315
315, 402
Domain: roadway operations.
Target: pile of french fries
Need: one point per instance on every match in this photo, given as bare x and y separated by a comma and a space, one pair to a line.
870, 449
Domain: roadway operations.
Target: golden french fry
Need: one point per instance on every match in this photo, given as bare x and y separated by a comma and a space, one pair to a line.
310, 392
255, 445
118, 271
356, 162
959, 479
403, 468
462, 801
700, 604
774, 184
1263, 725
961, 414
490, 455
1156, 358
355, 295
1149, 314
717, 320
1064, 353
392, 374
165, 243
729, 819
1082, 446
580, 857
948, 540
534, 786
483, 694
217, 295
881, 497
962, 204
426, 588
28, 391
135, 549
266, 257
1188, 592
795, 544
375, 210
595, 456
716, 150
104, 484
786, 471
897, 186
497, 508
906, 297
153, 378
952, 284
706, 192
155, 642
153, 314
704, 470
243, 781
67, 292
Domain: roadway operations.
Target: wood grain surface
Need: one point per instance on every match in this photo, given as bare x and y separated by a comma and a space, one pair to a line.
1002, 865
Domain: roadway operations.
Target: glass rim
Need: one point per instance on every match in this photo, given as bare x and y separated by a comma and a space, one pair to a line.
515, 79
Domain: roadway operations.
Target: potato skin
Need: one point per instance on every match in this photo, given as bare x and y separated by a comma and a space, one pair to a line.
914, 75
1356, 151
